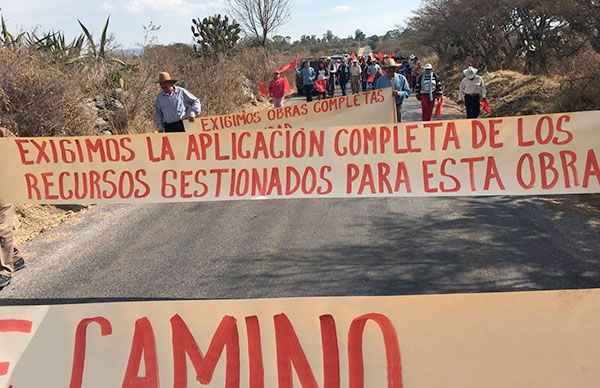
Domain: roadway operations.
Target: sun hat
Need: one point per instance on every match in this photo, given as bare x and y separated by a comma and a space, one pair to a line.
470, 72
389, 62
163, 76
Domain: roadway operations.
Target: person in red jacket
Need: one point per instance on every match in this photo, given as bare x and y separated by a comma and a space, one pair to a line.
277, 89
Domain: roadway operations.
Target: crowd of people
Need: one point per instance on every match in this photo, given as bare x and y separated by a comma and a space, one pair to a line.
405, 76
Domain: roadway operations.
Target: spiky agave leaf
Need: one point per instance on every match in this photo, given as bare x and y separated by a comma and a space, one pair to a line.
89, 38
103, 38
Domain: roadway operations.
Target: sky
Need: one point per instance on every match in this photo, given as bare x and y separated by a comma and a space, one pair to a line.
308, 17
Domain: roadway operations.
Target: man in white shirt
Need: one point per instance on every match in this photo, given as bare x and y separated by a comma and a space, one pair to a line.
472, 91
355, 72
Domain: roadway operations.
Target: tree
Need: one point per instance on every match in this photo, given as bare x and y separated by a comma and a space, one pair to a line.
260, 17
359, 36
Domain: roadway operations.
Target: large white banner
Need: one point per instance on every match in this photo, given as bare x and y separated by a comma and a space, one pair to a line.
547, 154
530, 339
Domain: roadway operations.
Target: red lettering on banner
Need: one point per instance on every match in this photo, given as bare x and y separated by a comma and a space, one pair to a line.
255, 358
471, 163
451, 136
559, 128
23, 151
13, 326
144, 344
520, 135
544, 124
546, 165
184, 344
520, 173
355, 350
569, 168
290, 353
432, 127
427, 176
409, 139
492, 172
444, 173
480, 136
80, 345
592, 169
48, 185
31, 182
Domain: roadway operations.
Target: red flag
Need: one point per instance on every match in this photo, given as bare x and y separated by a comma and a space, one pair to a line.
485, 107
286, 86
380, 56
289, 66
371, 77
353, 56
438, 108
321, 85
263, 89
392, 55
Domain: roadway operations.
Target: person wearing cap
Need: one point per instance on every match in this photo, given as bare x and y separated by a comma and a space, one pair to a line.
355, 72
472, 91
173, 105
428, 90
308, 75
10, 259
277, 89
399, 84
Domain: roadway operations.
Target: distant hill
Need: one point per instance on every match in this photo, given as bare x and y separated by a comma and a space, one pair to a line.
132, 52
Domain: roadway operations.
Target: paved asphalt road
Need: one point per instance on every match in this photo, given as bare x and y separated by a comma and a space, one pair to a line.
277, 248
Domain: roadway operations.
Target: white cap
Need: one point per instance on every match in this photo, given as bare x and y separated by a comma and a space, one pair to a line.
428, 66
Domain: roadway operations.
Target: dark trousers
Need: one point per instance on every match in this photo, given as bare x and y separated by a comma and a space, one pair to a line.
364, 85
473, 105
398, 113
343, 84
331, 84
308, 90
177, 126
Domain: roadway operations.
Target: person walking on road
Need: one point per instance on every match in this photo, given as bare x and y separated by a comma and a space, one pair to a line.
173, 105
363, 74
428, 90
322, 75
332, 68
277, 89
374, 72
308, 79
10, 259
342, 77
399, 84
472, 91
355, 72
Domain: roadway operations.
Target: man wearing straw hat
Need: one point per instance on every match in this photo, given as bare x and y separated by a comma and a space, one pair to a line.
173, 105
399, 84
10, 261
472, 91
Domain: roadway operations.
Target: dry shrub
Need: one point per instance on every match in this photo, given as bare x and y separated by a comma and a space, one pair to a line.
580, 87
38, 99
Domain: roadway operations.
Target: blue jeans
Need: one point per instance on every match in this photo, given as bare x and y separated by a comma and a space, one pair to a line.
308, 89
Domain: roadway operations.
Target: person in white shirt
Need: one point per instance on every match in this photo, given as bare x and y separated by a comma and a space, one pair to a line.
472, 91
355, 72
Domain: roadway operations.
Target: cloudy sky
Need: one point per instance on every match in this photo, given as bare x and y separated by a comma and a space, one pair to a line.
309, 17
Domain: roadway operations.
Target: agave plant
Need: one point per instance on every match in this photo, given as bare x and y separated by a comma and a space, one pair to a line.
55, 43
96, 53
9, 40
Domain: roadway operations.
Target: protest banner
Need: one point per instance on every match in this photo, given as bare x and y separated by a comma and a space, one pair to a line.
374, 106
545, 154
528, 339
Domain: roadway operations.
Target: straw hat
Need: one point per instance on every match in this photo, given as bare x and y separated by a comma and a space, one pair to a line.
163, 76
470, 72
389, 62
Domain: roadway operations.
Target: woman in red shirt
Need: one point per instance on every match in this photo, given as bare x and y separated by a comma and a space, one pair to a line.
277, 90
